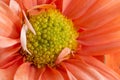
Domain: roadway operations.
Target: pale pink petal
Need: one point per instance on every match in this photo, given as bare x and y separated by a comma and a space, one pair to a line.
51, 73
7, 42
74, 9
29, 26
25, 72
8, 73
23, 38
63, 55
15, 7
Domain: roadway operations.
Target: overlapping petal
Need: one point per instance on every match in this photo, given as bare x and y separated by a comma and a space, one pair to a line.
88, 68
98, 24
113, 61
25, 72
4, 9
101, 28
8, 73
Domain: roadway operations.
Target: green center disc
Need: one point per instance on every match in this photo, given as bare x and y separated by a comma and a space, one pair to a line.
54, 32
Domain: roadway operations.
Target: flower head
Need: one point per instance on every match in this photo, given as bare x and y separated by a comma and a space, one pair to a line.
53, 39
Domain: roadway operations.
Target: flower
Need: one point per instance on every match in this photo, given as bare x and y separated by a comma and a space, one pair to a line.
96, 24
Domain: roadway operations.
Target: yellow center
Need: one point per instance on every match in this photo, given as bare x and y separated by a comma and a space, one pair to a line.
54, 32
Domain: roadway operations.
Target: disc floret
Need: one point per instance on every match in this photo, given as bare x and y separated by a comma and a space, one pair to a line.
54, 32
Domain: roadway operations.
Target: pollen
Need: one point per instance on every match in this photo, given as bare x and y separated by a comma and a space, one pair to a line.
54, 32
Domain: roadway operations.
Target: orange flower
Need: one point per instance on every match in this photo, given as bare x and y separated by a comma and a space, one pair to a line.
25, 54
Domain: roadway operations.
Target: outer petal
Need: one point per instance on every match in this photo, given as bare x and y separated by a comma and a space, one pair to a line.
25, 72
51, 73
74, 9
7, 42
100, 67
88, 70
9, 21
113, 61
45, 1
9, 55
101, 28
29, 4
6, 1
8, 73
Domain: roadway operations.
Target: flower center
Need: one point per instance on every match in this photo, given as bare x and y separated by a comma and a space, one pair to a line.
54, 32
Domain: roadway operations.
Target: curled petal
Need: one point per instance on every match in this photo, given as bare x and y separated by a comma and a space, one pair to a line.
29, 26
23, 38
15, 7
63, 55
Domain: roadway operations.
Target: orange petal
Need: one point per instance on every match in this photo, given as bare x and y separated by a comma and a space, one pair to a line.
6, 1
101, 40
10, 61
45, 1
100, 58
7, 27
113, 61
81, 71
29, 4
4, 9
8, 54
8, 73
99, 14
7, 42
101, 68
25, 72
88, 69
74, 9
51, 74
